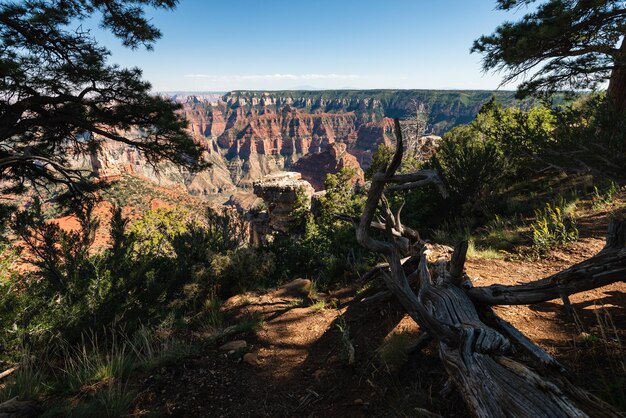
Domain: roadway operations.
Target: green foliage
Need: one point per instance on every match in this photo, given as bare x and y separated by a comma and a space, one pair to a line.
318, 306
94, 373
472, 165
153, 234
559, 44
61, 255
381, 158
470, 158
591, 134
324, 248
340, 198
301, 211
211, 316
485, 253
8, 256
111, 402
27, 384
488, 156
241, 270
63, 81
605, 196
552, 227
94, 361
167, 264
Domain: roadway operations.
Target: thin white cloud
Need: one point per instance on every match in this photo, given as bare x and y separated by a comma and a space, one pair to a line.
276, 77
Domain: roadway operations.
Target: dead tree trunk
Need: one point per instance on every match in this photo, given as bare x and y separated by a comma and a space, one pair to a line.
479, 358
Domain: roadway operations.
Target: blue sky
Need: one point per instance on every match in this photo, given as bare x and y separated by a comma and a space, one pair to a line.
323, 44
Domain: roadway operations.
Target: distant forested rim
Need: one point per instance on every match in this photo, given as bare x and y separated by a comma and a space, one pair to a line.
444, 108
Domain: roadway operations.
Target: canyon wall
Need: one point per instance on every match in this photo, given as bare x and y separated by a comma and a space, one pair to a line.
249, 134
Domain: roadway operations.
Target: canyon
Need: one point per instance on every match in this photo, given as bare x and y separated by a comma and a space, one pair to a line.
247, 135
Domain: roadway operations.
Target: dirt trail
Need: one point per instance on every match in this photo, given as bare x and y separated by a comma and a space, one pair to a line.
300, 370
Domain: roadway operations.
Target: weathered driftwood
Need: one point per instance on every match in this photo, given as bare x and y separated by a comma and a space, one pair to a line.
477, 357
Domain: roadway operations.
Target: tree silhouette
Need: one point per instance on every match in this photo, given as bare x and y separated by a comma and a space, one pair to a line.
59, 97
561, 44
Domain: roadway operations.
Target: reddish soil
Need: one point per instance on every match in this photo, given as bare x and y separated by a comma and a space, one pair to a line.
301, 371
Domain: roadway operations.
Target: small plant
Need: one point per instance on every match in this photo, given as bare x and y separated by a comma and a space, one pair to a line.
346, 354
486, 253
552, 228
249, 325
212, 316
9, 255
605, 196
111, 401
588, 339
245, 301
295, 303
152, 352
318, 306
96, 361
363, 290
394, 351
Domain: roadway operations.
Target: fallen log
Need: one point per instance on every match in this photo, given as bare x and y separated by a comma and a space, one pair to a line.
606, 267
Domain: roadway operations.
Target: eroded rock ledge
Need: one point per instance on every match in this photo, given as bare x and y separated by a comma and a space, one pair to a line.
279, 191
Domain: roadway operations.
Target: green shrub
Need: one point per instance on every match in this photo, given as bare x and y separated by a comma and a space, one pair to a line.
166, 264
471, 165
153, 234
323, 247
242, 270
590, 129
552, 228
346, 353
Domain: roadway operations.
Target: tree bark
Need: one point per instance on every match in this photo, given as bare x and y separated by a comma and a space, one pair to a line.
616, 91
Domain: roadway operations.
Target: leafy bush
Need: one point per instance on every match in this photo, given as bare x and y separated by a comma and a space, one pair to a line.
488, 155
166, 264
153, 234
241, 270
471, 165
591, 135
381, 157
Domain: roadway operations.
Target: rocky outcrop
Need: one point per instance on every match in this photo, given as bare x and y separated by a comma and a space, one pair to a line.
423, 147
280, 192
314, 167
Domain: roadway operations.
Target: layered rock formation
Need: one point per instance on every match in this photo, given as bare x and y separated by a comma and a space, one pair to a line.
115, 158
248, 135
314, 167
280, 192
